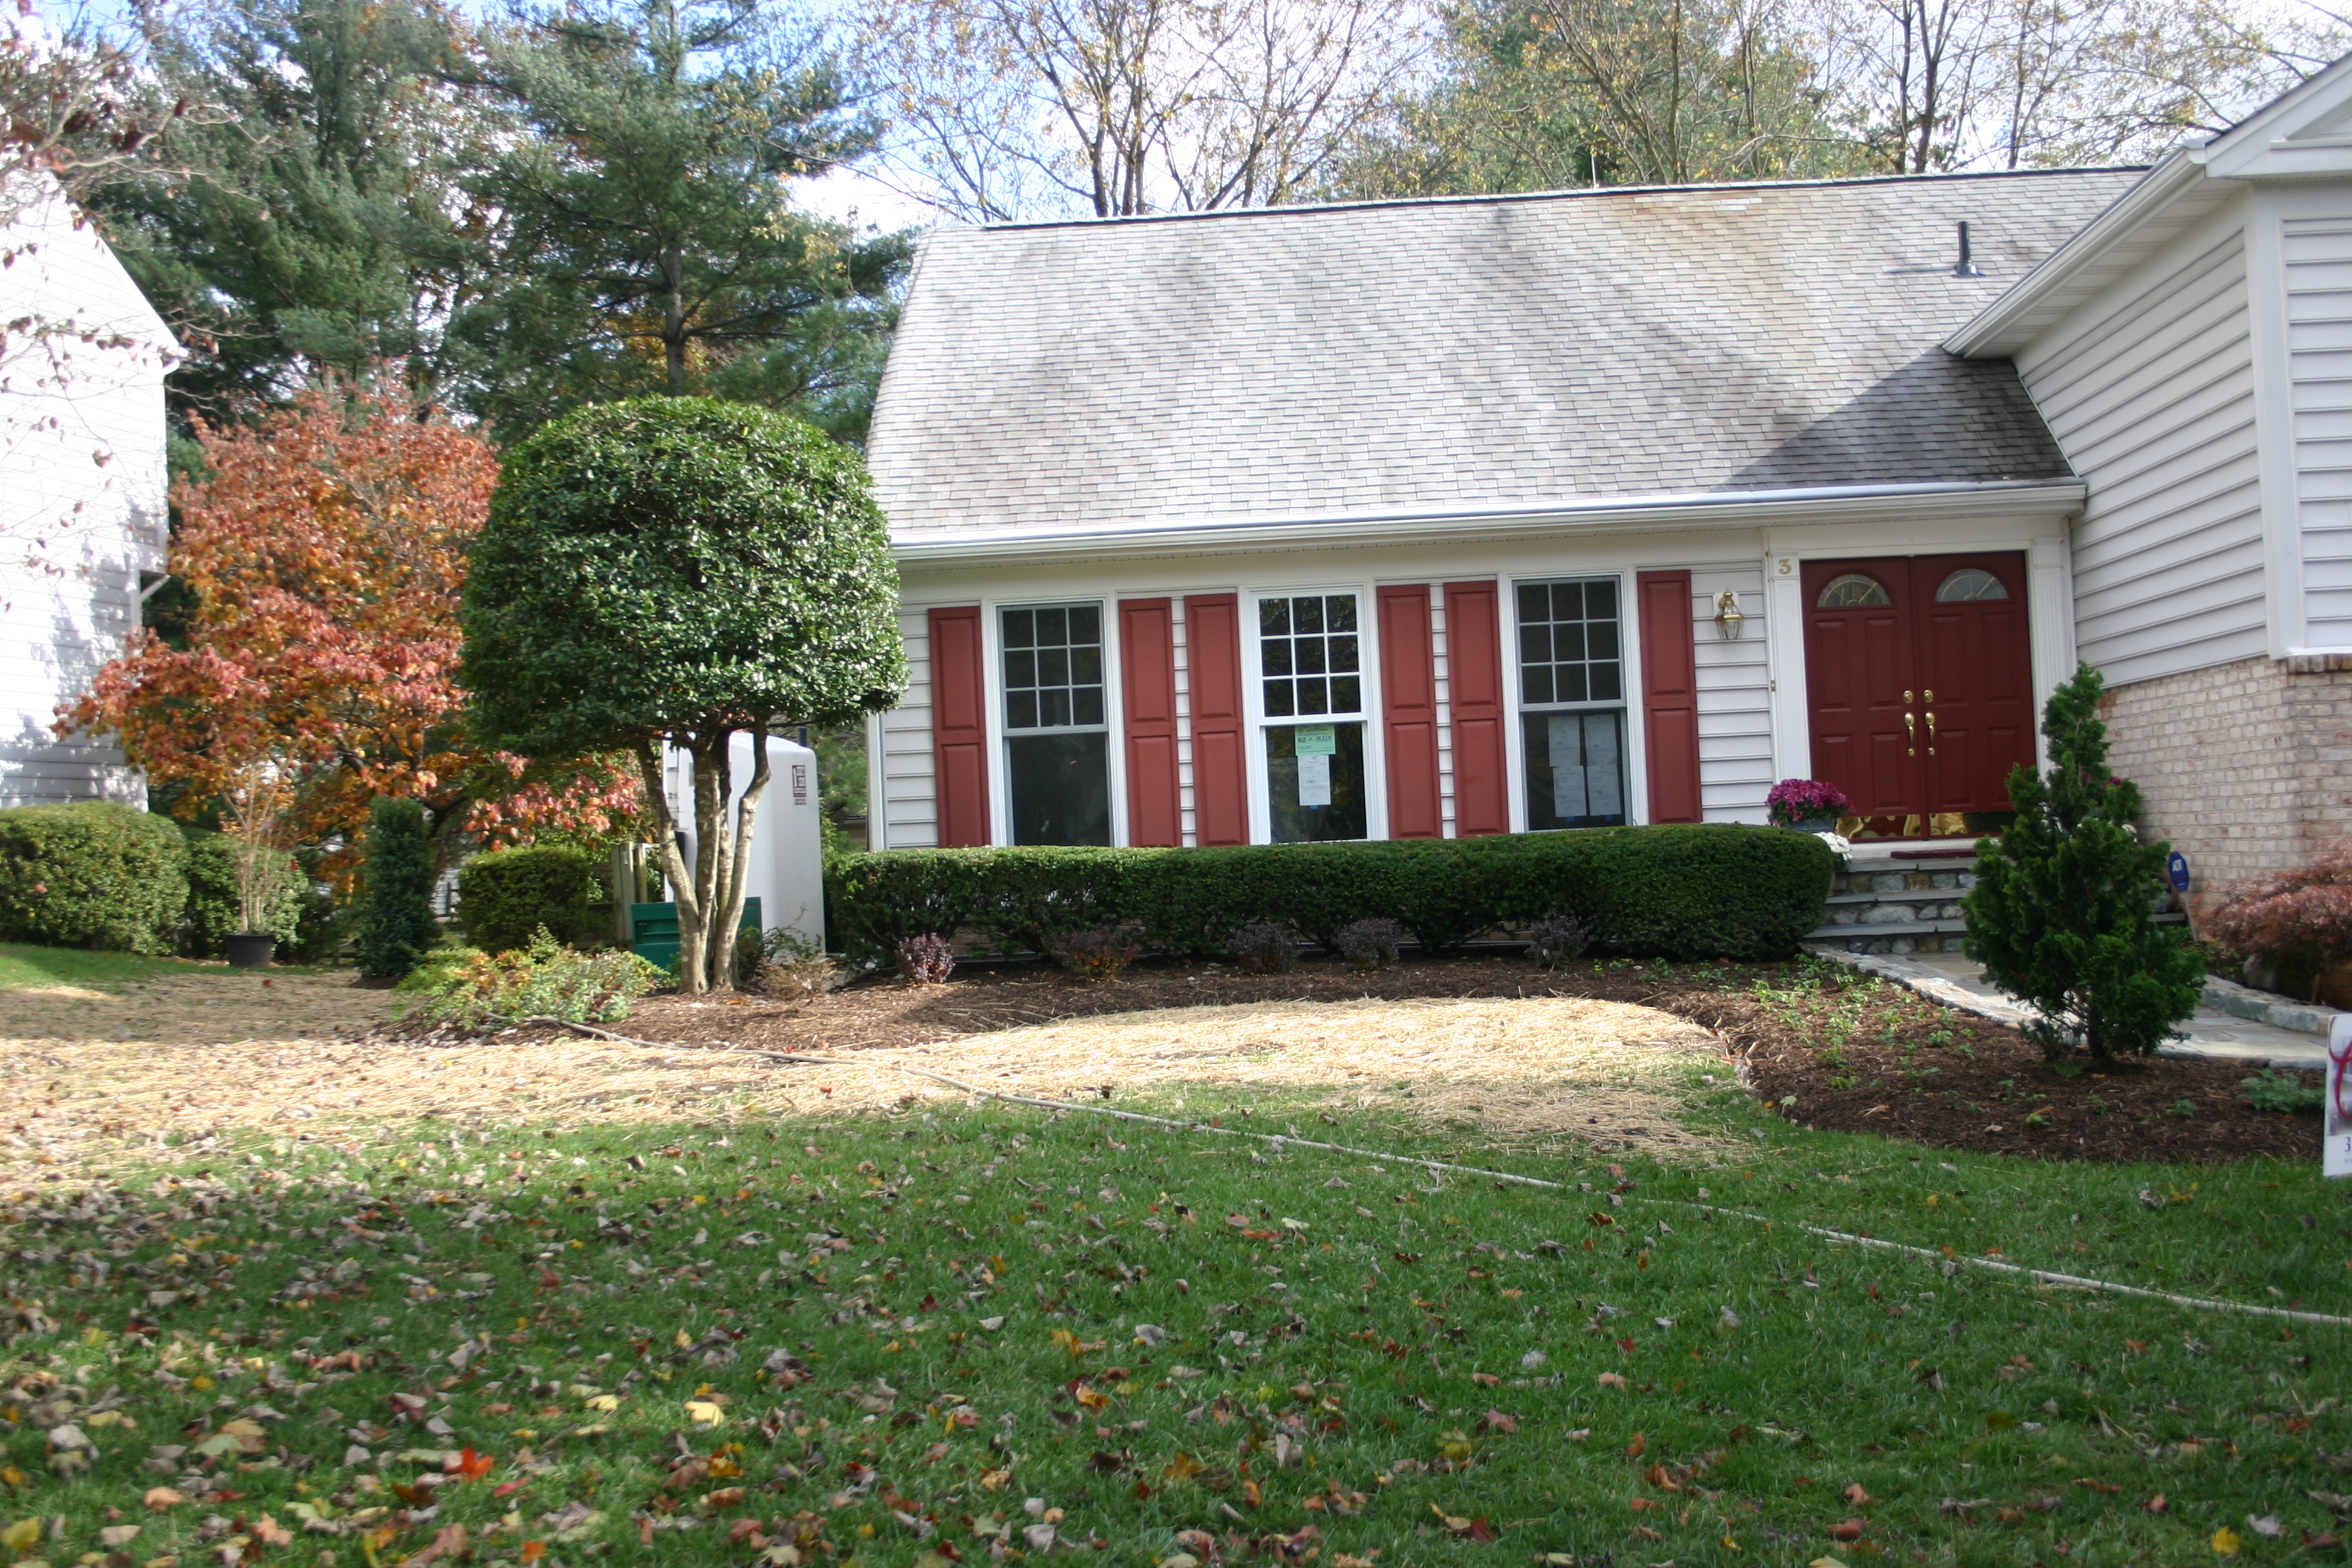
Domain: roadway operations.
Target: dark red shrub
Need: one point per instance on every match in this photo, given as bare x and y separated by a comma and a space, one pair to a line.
2297, 923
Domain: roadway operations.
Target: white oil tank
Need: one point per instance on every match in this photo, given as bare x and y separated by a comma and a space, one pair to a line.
786, 872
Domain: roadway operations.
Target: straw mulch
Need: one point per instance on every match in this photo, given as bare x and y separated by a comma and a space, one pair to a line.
212, 1005
1539, 1072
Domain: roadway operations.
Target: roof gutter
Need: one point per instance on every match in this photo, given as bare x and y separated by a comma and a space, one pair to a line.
1623, 514
2177, 171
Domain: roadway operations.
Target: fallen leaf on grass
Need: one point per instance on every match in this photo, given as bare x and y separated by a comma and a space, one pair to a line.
2225, 1542
158, 1498
2156, 1504
1464, 1529
1611, 1380
269, 1532
1496, 1421
2268, 1526
449, 1540
704, 1412
1848, 1529
1856, 1496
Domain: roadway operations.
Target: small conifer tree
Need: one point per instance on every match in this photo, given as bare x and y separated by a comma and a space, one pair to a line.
2060, 916
396, 925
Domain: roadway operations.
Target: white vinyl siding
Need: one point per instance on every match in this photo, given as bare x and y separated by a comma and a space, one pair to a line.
2318, 254
1735, 697
2150, 392
909, 811
82, 443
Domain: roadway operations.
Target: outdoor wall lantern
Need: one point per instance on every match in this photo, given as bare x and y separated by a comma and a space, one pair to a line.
1727, 614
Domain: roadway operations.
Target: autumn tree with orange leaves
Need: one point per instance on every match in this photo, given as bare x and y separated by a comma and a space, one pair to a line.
325, 551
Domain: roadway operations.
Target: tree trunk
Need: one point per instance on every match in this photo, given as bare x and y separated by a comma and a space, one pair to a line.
711, 856
682, 886
722, 966
674, 326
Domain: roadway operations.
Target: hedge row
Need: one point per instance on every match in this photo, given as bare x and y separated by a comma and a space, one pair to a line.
506, 895
99, 875
1679, 892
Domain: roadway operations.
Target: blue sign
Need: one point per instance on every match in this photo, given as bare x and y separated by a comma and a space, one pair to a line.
2176, 871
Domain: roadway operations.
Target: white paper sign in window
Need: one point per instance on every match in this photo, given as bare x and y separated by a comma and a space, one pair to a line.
1317, 746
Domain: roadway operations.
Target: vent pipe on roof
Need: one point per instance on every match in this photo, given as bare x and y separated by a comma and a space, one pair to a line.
1968, 267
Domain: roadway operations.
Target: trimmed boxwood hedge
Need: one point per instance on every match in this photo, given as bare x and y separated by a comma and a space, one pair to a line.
92, 874
506, 895
1680, 892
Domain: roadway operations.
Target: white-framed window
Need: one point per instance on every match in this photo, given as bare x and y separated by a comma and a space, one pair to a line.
1571, 689
1311, 697
1056, 743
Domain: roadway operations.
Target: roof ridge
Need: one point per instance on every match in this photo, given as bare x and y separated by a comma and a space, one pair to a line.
1302, 209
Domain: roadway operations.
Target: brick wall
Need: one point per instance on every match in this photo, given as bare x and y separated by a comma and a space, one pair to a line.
2247, 767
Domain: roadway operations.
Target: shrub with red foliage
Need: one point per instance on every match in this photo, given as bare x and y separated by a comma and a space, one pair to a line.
2295, 924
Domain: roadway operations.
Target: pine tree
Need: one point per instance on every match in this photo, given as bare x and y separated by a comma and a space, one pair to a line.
396, 925
646, 239
320, 228
2060, 916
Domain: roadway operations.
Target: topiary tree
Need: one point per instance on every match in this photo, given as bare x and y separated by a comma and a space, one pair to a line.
396, 925
2060, 916
680, 570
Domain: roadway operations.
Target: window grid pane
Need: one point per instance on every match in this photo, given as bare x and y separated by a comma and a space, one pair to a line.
1568, 644
1307, 654
1053, 667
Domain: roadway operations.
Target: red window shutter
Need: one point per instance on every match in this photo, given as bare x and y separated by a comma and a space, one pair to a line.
1147, 658
958, 726
1670, 695
1473, 667
1213, 647
1409, 709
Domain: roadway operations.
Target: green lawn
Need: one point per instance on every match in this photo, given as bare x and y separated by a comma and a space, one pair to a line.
1001, 1334
22, 964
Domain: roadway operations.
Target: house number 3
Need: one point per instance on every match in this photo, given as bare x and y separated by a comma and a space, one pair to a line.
1786, 566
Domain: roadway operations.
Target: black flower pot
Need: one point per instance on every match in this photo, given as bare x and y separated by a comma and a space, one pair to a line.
251, 948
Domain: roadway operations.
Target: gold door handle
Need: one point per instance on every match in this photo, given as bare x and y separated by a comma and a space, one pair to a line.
1931, 732
1911, 728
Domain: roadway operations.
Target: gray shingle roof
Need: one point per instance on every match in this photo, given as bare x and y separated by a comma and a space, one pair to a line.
1365, 358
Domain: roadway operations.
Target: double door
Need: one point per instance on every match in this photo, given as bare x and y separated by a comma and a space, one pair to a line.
1919, 672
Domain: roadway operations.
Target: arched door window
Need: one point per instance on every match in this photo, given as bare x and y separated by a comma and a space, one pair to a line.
1969, 585
1851, 591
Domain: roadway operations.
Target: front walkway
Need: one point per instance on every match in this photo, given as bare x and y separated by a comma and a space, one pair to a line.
1951, 978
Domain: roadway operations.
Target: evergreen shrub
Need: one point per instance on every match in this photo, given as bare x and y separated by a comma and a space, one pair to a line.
396, 924
92, 874
1680, 892
2061, 915
506, 895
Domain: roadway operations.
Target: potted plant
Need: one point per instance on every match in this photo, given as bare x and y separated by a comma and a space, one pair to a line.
1809, 805
260, 798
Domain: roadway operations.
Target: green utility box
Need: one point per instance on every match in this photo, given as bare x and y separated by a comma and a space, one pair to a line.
652, 930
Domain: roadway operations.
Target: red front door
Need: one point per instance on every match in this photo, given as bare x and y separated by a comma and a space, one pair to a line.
1920, 678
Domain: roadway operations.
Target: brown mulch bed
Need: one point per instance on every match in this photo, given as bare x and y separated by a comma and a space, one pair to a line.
1858, 1054
1892, 1062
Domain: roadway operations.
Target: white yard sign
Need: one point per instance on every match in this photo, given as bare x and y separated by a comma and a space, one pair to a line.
2338, 1160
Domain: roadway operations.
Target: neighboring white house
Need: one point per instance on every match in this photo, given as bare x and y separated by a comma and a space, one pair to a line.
1435, 518
83, 530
